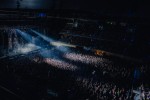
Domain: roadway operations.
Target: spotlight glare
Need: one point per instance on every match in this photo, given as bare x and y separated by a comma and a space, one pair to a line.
27, 48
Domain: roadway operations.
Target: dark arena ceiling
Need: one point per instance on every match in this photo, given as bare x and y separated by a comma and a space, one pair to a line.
115, 7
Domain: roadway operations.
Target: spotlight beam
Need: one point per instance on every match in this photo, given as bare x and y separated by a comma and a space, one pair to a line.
25, 35
43, 36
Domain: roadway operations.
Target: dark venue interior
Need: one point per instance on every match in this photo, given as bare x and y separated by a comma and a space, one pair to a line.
74, 50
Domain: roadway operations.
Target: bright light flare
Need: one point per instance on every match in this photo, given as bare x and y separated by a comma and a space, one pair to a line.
62, 44
27, 48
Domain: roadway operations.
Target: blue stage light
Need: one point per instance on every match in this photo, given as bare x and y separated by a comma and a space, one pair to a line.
42, 15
